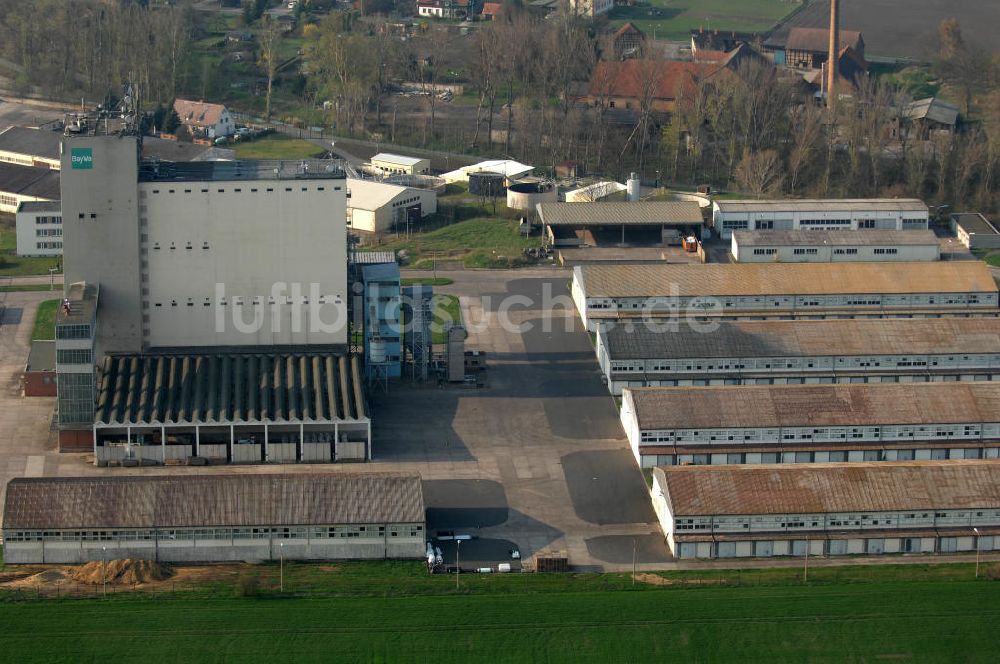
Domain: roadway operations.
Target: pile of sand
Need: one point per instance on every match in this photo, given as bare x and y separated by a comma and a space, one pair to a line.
126, 572
48, 577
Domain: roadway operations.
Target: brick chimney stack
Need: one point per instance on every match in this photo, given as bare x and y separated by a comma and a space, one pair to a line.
831, 63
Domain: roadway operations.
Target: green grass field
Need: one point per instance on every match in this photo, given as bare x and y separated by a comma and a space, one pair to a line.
447, 312
881, 614
993, 260
45, 320
29, 288
675, 19
277, 147
12, 265
478, 242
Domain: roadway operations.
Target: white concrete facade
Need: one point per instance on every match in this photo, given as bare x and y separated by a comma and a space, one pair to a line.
251, 544
693, 371
805, 252
824, 534
39, 232
817, 443
833, 214
245, 263
394, 164
375, 207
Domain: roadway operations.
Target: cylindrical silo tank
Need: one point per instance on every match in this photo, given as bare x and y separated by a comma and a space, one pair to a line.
633, 187
526, 195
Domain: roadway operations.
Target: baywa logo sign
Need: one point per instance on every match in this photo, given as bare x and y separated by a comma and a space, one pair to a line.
82, 158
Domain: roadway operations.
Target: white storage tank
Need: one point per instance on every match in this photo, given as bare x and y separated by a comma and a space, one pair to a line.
526, 195
634, 190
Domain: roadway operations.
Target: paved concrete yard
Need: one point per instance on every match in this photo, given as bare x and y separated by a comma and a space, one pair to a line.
541, 445
536, 460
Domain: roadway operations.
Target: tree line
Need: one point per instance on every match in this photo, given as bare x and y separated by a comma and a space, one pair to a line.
69, 48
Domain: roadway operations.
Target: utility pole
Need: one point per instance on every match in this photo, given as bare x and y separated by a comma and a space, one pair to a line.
633, 560
805, 568
831, 62
458, 567
281, 567
976, 530
104, 570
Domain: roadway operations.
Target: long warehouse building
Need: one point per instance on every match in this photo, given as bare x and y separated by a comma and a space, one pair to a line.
834, 246
789, 291
829, 509
778, 352
812, 423
900, 214
214, 518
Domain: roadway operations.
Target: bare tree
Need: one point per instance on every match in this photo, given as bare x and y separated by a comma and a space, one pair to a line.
270, 41
760, 173
806, 132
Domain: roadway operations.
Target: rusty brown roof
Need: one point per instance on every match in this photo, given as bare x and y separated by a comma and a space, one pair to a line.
198, 113
862, 404
752, 279
817, 40
212, 500
821, 488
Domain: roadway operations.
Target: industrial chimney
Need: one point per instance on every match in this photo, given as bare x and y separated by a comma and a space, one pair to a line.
831, 62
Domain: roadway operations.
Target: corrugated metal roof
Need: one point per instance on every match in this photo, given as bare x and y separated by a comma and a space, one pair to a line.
166, 501
932, 109
380, 272
372, 257
40, 206
228, 387
824, 205
823, 488
863, 238
975, 223
631, 214
862, 404
372, 195
396, 159
34, 181
42, 143
752, 279
807, 338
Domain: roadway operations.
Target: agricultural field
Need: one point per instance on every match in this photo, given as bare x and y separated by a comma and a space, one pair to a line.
906, 29
675, 19
395, 612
